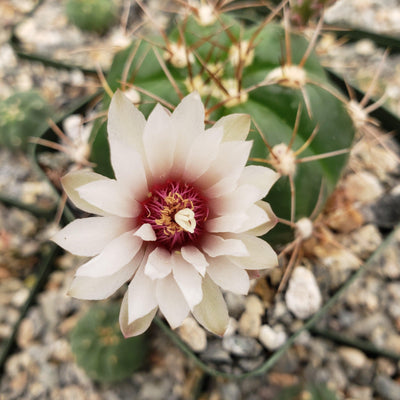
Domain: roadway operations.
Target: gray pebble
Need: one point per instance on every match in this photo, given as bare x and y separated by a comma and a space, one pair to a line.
242, 346
387, 388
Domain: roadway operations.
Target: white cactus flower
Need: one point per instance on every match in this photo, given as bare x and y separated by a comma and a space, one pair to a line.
179, 221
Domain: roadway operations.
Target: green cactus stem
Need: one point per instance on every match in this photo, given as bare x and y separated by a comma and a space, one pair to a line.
100, 348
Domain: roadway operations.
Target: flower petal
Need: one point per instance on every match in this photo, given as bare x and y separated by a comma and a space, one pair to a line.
125, 123
141, 295
260, 177
212, 311
73, 180
261, 254
202, 153
260, 228
228, 275
136, 327
159, 142
159, 263
215, 246
90, 288
115, 255
110, 196
226, 223
188, 122
228, 166
236, 126
88, 236
236, 202
188, 280
129, 169
171, 301
195, 257
146, 232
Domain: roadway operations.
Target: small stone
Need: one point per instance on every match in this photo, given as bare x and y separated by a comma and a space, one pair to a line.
193, 334
20, 297
242, 346
236, 304
393, 343
271, 338
387, 388
250, 364
230, 391
303, 297
232, 327
215, 353
254, 305
385, 366
363, 187
360, 392
365, 47
18, 384
60, 351
364, 241
353, 357
249, 324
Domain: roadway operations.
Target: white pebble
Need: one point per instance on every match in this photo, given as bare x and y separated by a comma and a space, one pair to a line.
271, 338
303, 297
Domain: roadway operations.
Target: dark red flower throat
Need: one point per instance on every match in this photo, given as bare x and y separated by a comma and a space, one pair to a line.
177, 212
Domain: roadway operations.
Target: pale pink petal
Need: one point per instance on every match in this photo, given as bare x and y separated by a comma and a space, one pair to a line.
146, 232
226, 223
88, 236
228, 165
223, 187
257, 218
136, 327
73, 180
159, 263
236, 202
212, 311
159, 141
261, 254
228, 275
111, 197
125, 123
202, 153
141, 296
195, 257
90, 288
115, 255
262, 228
188, 122
171, 301
236, 126
188, 280
215, 246
129, 170
260, 177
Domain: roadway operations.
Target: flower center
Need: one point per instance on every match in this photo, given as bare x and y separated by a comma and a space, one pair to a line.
177, 212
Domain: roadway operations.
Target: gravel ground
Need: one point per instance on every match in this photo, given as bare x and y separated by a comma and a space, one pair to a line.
42, 365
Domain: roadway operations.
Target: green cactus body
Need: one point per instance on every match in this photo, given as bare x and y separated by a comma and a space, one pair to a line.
206, 59
92, 15
22, 116
100, 348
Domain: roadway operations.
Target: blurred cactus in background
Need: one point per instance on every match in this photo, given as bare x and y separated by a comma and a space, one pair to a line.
100, 348
92, 15
22, 116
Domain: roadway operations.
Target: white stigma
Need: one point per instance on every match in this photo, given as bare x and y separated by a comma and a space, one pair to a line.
186, 220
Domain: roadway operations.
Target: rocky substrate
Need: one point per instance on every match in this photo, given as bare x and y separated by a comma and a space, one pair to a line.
364, 208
